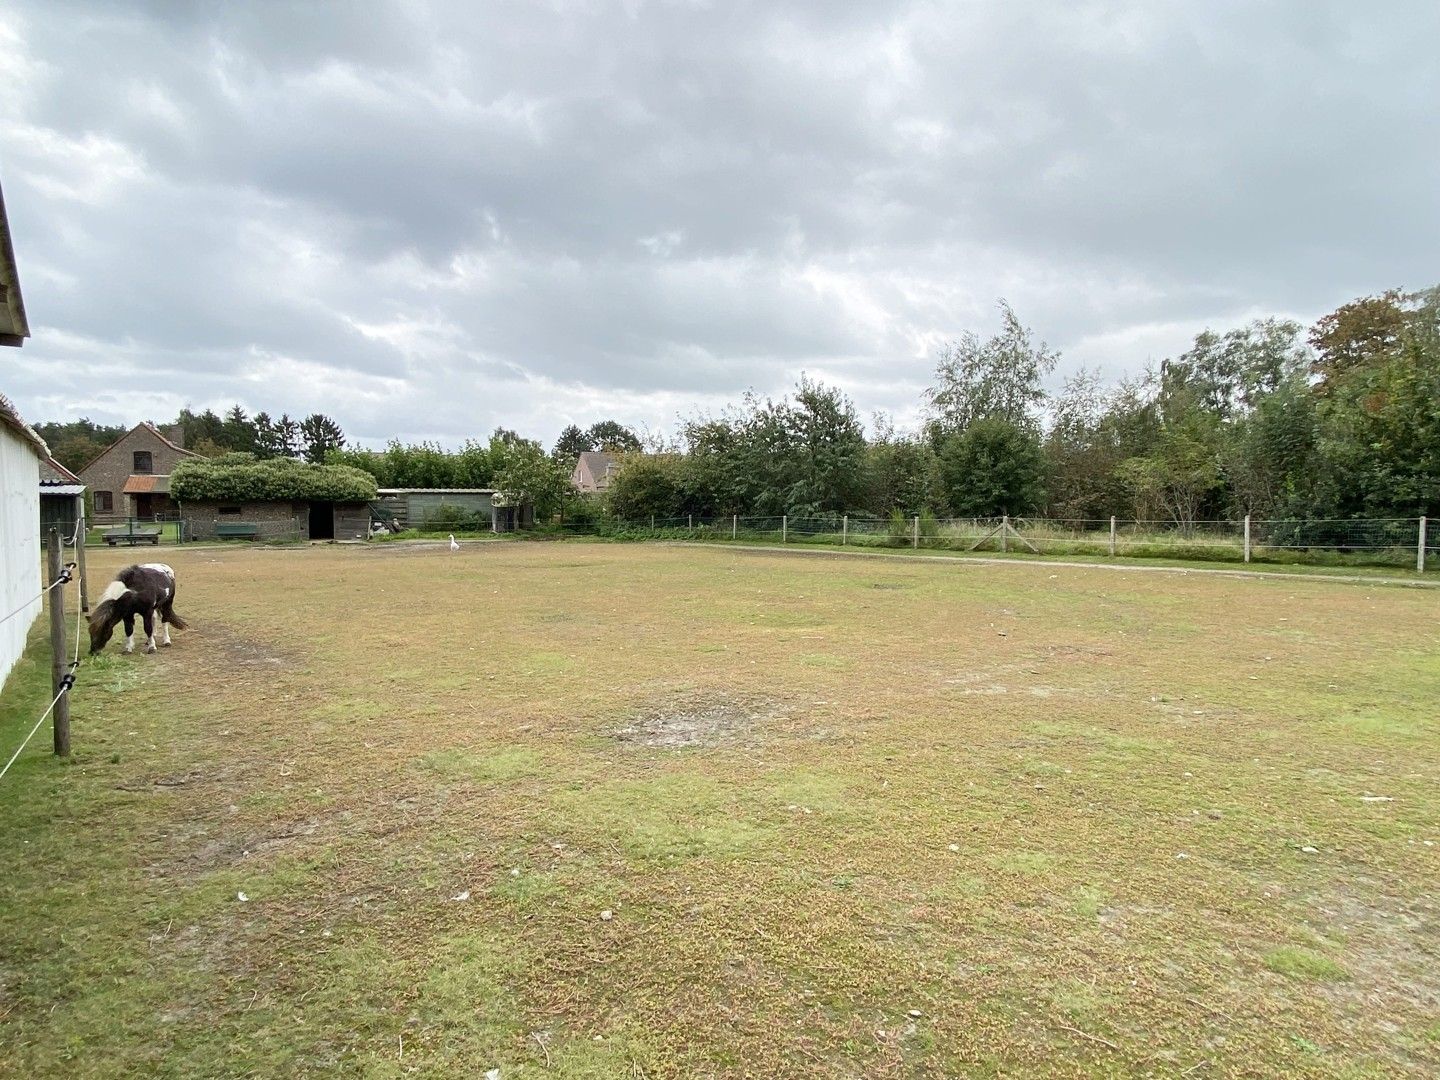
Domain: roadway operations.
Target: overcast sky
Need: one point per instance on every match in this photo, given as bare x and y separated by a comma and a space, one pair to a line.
430, 219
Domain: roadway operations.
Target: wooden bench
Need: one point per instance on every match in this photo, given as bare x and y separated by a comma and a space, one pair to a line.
132, 536
238, 530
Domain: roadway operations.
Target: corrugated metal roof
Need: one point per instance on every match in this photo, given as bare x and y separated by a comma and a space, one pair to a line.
147, 485
52, 488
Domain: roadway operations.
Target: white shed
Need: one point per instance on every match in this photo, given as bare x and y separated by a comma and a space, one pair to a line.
21, 452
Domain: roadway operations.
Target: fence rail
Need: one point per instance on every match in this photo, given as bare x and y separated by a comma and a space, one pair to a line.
1378, 541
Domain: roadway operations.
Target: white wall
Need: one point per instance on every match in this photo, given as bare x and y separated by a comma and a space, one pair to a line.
19, 543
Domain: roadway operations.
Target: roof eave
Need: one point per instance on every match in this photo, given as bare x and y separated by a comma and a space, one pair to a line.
10, 278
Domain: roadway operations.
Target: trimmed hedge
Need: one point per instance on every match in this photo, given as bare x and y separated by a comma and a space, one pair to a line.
233, 479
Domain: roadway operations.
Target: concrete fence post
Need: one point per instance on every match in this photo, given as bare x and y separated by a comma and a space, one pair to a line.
1112, 534
652, 522
1005, 533
689, 521
1247, 537
1420, 547
784, 527
844, 530
734, 526
915, 532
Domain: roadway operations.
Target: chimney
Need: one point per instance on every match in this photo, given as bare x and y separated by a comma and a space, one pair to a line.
176, 434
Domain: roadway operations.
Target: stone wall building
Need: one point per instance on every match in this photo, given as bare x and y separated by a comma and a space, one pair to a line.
276, 519
130, 478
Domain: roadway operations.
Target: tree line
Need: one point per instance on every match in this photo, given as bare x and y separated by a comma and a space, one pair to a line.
1272, 419
76, 443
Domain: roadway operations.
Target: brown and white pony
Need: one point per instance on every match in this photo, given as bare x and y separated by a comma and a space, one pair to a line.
145, 590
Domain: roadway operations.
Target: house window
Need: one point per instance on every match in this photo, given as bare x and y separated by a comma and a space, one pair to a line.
142, 462
104, 503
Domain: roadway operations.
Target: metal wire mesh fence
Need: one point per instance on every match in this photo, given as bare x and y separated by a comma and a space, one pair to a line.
1406, 542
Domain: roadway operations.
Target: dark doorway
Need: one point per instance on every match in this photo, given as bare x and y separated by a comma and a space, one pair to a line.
322, 521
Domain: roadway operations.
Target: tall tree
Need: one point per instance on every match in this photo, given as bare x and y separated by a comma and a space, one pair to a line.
999, 378
239, 431
320, 435
287, 437
1356, 333
829, 451
571, 444
613, 436
530, 475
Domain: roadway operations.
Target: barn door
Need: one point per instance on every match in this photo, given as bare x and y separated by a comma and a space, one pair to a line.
322, 521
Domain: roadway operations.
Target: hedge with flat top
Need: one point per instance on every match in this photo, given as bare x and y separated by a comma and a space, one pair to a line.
240, 478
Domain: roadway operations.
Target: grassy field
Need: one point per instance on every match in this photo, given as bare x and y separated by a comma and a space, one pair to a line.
600, 810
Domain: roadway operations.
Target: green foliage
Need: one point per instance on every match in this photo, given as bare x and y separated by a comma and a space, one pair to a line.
321, 435
76, 443
454, 519
571, 444
993, 467
647, 484
802, 457
996, 379
901, 472
424, 465
614, 436
239, 478
526, 474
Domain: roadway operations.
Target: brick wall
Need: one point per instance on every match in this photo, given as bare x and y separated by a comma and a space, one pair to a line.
109, 471
275, 520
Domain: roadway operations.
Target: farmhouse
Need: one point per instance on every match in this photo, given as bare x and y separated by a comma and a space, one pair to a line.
21, 452
237, 497
444, 509
131, 477
594, 470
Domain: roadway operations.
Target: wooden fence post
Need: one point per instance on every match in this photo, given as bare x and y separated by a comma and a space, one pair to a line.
59, 664
844, 530
1420, 548
915, 533
1247, 537
784, 528
1112, 534
81, 528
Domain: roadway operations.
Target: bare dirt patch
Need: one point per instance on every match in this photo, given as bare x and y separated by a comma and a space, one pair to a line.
701, 722
240, 651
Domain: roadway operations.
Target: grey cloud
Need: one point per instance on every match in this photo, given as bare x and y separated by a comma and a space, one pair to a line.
478, 213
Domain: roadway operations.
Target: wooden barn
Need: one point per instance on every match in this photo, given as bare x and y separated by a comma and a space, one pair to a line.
452, 509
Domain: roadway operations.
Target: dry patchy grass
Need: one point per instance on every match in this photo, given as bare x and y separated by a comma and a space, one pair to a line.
850, 819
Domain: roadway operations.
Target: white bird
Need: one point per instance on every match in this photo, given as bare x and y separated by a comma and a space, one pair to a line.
453, 545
